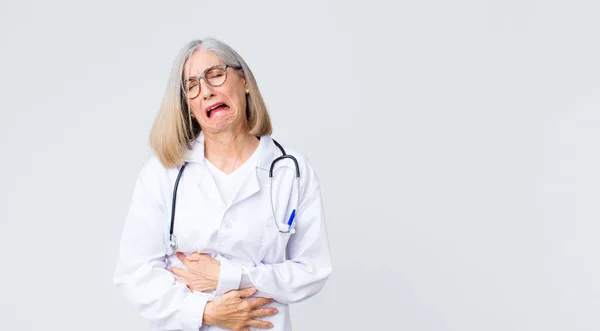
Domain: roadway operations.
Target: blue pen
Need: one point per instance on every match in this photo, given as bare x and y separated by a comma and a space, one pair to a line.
291, 218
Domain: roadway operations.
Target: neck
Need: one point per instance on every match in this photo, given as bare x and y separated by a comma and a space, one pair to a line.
229, 150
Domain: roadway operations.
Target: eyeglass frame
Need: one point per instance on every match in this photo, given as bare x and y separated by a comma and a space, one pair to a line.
203, 76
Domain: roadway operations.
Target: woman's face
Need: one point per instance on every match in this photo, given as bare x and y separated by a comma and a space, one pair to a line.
231, 95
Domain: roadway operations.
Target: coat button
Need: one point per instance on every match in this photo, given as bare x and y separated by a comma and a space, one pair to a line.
228, 226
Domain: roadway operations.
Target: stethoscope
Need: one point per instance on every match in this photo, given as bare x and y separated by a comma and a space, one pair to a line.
283, 228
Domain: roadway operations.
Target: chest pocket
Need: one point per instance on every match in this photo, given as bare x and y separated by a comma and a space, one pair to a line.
274, 245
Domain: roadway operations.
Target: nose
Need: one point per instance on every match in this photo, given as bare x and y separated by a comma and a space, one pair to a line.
206, 91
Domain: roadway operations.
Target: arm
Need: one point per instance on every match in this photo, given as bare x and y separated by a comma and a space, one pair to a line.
140, 270
308, 263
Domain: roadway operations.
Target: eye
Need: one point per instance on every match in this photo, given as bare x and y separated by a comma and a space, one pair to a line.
215, 75
191, 84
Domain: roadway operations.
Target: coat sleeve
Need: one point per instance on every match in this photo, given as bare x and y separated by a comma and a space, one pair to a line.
308, 264
141, 269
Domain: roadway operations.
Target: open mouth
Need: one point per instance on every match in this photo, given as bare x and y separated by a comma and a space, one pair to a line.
215, 108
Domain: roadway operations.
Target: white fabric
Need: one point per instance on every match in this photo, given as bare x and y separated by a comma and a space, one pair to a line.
242, 236
230, 184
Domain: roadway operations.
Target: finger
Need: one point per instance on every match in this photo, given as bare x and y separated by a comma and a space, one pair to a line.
195, 257
181, 257
184, 259
205, 256
260, 324
263, 312
243, 293
254, 303
179, 272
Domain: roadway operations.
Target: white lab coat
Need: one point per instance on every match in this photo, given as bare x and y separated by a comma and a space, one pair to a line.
242, 236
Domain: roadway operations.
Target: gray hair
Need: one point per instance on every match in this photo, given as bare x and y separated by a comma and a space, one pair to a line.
174, 129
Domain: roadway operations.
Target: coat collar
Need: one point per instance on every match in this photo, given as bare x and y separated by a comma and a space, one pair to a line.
267, 151
196, 151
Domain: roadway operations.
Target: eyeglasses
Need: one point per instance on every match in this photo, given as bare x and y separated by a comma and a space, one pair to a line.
213, 76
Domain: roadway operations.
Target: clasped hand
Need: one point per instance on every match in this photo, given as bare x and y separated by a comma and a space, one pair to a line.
235, 310
202, 272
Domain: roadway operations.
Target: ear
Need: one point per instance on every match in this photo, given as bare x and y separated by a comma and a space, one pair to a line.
245, 87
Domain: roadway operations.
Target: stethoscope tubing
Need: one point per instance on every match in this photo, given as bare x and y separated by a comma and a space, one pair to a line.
290, 225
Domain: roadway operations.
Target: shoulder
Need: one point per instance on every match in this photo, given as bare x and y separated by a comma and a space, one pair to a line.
304, 163
152, 168
308, 175
154, 175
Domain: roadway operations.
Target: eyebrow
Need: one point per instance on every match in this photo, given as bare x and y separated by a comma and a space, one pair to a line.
203, 71
189, 77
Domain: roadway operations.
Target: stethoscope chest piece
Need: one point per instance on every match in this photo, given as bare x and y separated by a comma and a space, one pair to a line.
172, 247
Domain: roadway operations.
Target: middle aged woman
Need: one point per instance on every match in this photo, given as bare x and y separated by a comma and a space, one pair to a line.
242, 248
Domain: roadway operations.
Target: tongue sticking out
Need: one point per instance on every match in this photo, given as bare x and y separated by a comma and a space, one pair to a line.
214, 110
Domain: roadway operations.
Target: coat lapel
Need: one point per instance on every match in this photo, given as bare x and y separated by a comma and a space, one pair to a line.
264, 157
208, 187
206, 182
267, 152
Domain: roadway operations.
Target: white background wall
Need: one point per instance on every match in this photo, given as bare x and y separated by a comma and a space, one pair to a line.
457, 144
